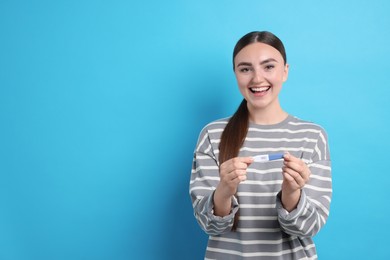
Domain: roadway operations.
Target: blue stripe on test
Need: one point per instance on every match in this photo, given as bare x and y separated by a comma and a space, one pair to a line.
275, 156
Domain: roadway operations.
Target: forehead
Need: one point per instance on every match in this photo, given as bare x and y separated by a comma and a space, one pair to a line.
257, 52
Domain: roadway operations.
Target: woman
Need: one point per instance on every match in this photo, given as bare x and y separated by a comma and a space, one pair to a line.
256, 209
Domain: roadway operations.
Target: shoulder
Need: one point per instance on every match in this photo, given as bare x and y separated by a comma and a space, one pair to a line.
299, 124
316, 132
212, 130
210, 134
215, 126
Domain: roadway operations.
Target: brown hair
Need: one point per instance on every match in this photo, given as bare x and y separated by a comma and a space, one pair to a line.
236, 130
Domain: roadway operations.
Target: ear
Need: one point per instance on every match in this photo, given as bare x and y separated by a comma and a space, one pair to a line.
285, 72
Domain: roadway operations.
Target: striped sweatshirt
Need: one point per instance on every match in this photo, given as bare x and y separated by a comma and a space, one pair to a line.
265, 229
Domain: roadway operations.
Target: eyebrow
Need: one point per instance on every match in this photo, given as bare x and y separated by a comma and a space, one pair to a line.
261, 63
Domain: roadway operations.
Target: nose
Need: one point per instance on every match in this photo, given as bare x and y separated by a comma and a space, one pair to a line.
257, 76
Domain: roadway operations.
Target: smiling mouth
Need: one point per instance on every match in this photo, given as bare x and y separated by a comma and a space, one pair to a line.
259, 89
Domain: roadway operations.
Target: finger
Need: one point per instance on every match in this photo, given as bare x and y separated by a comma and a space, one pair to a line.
233, 180
292, 162
236, 163
289, 182
296, 176
304, 172
290, 179
287, 156
241, 162
296, 166
236, 173
241, 178
231, 176
247, 160
291, 158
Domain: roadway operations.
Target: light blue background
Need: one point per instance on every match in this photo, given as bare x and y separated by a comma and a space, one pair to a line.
101, 104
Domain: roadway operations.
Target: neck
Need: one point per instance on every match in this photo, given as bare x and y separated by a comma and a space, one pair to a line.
267, 116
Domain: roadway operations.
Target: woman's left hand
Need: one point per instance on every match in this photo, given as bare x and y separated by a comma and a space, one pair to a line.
295, 175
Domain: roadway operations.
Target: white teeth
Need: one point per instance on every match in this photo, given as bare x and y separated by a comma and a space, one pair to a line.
259, 89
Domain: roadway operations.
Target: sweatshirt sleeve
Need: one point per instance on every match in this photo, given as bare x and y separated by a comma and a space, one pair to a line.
204, 180
313, 207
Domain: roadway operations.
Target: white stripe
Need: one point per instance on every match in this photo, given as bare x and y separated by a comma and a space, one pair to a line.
213, 167
321, 178
198, 217
315, 257
204, 178
217, 122
323, 208
257, 206
208, 148
203, 157
216, 130
201, 188
323, 221
199, 197
313, 226
327, 198
325, 144
257, 194
251, 242
262, 150
254, 139
253, 182
280, 149
201, 142
211, 227
281, 130
258, 230
320, 166
215, 141
318, 152
251, 218
308, 186
307, 161
223, 121
302, 123
303, 224
273, 170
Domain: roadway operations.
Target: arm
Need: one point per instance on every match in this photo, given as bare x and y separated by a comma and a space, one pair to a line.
232, 173
304, 201
295, 175
212, 188
204, 179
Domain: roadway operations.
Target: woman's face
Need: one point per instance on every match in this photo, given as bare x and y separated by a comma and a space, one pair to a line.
260, 72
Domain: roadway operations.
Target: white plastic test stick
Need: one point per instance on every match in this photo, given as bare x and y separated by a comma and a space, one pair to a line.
268, 157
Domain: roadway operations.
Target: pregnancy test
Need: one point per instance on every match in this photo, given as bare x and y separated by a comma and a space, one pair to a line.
268, 157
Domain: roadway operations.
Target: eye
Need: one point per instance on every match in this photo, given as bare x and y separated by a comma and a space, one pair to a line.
245, 69
269, 67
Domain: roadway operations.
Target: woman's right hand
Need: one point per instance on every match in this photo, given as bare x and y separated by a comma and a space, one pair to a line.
231, 173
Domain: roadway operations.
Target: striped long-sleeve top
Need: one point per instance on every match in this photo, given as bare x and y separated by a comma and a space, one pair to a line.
265, 229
